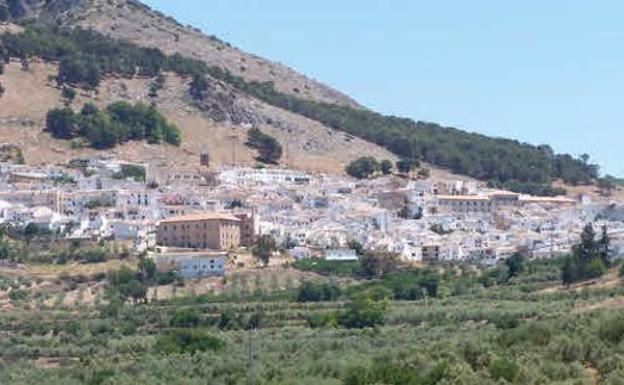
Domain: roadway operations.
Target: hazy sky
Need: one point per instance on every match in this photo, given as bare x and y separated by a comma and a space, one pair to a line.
539, 71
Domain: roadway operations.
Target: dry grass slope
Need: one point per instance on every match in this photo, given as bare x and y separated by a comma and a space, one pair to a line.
30, 94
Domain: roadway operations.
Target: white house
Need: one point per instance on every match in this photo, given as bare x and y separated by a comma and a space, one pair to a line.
342, 255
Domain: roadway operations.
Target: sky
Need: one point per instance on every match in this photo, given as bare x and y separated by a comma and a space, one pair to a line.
539, 71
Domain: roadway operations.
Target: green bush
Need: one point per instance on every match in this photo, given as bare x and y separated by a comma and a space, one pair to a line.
611, 329
363, 312
187, 341
185, 318
312, 292
504, 369
363, 168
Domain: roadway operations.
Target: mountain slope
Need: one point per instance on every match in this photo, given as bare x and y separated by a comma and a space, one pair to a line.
232, 89
30, 95
135, 22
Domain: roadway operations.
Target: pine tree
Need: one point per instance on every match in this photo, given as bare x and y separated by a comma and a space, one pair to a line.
589, 259
604, 247
588, 248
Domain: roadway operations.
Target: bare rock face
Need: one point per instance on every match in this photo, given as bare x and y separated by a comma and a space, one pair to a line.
222, 104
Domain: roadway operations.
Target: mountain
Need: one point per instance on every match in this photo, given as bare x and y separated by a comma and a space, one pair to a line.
112, 50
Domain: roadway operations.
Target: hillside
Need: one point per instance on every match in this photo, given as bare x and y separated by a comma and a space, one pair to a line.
132, 21
95, 41
29, 95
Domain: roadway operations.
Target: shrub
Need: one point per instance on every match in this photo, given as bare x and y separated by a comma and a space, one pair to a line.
187, 341
131, 171
386, 167
534, 333
311, 292
363, 168
504, 369
363, 312
185, 318
96, 255
612, 329
407, 165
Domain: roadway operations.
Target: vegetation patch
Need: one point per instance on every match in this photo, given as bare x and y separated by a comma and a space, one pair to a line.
118, 123
268, 148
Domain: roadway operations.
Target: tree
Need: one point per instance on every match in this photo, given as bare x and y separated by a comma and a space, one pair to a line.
61, 122
587, 249
30, 231
185, 318
515, 265
357, 246
589, 258
363, 312
198, 86
68, 94
119, 122
147, 269
604, 247
312, 292
264, 248
5, 15
407, 165
187, 341
569, 271
378, 264
269, 149
606, 185
386, 167
424, 173
363, 168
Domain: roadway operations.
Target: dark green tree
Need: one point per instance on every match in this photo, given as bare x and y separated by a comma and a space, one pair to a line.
269, 149
515, 265
5, 15
386, 167
378, 264
586, 261
263, 249
604, 247
62, 123
363, 311
407, 165
363, 168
